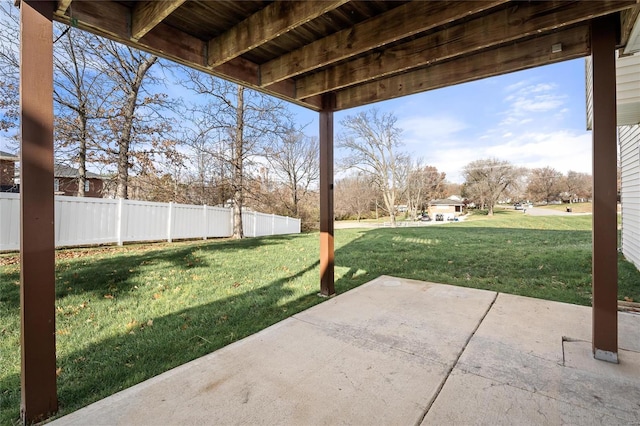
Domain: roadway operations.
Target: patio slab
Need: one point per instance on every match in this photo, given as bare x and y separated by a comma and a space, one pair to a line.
396, 351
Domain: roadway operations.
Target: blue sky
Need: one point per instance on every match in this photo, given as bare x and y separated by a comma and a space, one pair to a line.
532, 118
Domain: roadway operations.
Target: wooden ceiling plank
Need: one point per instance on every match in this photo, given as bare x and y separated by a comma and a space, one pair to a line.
109, 19
63, 5
396, 24
514, 57
148, 14
627, 20
267, 24
501, 27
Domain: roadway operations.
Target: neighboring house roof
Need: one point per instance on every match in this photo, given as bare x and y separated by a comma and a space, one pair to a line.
8, 156
446, 203
62, 171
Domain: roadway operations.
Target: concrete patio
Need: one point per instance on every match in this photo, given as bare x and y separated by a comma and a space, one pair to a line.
399, 352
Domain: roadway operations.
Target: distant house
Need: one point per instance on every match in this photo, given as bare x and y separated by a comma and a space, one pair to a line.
8, 172
66, 182
448, 208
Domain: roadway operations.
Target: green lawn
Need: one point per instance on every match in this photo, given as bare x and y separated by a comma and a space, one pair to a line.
125, 314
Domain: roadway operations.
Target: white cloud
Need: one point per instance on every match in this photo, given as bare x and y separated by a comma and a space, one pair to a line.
562, 150
526, 101
430, 129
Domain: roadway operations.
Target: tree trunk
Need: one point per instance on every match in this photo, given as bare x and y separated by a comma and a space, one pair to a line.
238, 167
82, 154
124, 143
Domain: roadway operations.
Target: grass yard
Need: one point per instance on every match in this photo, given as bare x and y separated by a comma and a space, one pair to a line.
125, 314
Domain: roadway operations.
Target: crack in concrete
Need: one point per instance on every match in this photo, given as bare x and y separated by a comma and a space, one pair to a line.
455, 363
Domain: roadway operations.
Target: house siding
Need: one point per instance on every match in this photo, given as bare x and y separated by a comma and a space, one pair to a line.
627, 90
69, 187
629, 139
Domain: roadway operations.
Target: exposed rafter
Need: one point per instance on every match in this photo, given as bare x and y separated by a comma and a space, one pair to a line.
269, 23
501, 27
514, 57
383, 52
110, 19
398, 23
148, 14
63, 5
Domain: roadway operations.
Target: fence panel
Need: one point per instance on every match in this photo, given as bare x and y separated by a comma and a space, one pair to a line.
188, 221
219, 222
144, 221
10, 222
86, 221
248, 224
263, 224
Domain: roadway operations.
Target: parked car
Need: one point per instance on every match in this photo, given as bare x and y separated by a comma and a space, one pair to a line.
425, 218
518, 206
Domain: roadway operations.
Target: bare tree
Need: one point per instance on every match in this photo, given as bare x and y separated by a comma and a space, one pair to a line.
9, 67
487, 180
135, 131
577, 185
79, 94
354, 196
545, 184
373, 140
245, 120
424, 183
294, 162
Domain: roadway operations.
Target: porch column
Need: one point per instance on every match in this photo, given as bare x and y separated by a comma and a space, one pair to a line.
605, 255
327, 287
37, 258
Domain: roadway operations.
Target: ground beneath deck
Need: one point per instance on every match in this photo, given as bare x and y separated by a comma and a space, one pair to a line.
397, 351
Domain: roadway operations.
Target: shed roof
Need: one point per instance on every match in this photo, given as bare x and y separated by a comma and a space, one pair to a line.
362, 51
446, 202
62, 171
8, 156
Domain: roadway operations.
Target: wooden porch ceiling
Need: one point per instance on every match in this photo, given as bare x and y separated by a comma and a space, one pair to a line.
363, 51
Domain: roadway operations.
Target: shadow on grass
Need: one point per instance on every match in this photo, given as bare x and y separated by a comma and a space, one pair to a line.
115, 272
548, 264
149, 349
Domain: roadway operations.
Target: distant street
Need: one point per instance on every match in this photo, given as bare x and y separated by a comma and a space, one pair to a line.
534, 211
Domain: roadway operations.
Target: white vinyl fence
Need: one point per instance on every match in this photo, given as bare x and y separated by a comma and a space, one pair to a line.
83, 221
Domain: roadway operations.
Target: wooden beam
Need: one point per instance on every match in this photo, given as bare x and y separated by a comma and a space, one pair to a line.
63, 5
37, 237
109, 19
504, 26
274, 20
605, 234
628, 18
148, 14
327, 286
396, 24
514, 57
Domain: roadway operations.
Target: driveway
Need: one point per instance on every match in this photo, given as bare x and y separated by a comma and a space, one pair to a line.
536, 211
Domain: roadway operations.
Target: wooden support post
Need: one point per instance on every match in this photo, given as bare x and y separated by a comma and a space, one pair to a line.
605, 255
327, 287
37, 238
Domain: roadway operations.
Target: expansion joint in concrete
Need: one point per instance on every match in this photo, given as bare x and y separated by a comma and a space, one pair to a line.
455, 363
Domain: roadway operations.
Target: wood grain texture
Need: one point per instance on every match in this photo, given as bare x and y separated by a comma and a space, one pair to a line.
396, 24
501, 27
109, 19
513, 57
147, 14
264, 26
63, 5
